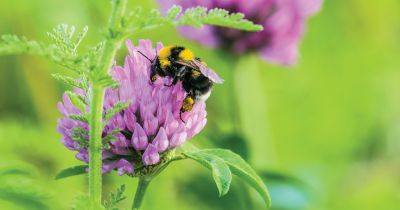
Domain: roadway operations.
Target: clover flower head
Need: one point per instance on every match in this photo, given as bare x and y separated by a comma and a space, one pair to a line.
151, 126
283, 22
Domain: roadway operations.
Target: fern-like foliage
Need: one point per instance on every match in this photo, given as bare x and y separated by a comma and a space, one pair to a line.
79, 135
83, 84
116, 108
68, 80
110, 137
85, 202
115, 86
13, 45
17, 187
194, 16
63, 51
90, 57
79, 101
62, 37
78, 117
114, 199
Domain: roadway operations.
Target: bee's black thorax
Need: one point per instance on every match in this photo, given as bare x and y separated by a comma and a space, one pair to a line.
172, 68
175, 51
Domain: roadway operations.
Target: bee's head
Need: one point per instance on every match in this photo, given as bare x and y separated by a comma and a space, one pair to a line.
153, 67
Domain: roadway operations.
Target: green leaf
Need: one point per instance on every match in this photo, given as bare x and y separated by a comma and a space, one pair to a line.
16, 168
115, 199
82, 99
68, 80
80, 130
13, 45
188, 147
153, 18
24, 193
62, 38
116, 108
172, 13
17, 187
78, 137
84, 82
62, 52
221, 17
80, 36
281, 183
97, 48
134, 15
59, 42
85, 202
90, 60
73, 171
78, 117
243, 170
78, 102
221, 173
110, 135
115, 86
193, 16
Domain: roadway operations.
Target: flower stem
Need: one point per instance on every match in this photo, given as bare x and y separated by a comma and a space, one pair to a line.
140, 191
95, 147
113, 40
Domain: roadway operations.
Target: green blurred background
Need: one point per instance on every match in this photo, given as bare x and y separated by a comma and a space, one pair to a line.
323, 134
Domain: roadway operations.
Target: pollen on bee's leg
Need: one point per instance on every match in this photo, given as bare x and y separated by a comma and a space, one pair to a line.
187, 106
154, 78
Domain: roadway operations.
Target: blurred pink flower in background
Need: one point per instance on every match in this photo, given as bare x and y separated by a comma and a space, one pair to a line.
150, 124
283, 22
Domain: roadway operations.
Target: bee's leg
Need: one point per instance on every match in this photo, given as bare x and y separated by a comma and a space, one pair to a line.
153, 78
180, 115
181, 71
153, 75
180, 74
187, 104
176, 78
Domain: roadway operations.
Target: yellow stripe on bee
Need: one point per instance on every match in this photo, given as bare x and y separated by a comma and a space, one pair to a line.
166, 51
164, 63
195, 73
164, 54
186, 55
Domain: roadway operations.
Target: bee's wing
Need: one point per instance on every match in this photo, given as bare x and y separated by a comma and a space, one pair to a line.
203, 68
187, 63
214, 76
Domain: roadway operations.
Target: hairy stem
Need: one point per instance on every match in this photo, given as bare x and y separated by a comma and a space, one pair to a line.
95, 146
140, 191
113, 38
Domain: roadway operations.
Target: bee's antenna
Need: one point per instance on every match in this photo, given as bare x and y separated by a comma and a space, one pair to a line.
145, 56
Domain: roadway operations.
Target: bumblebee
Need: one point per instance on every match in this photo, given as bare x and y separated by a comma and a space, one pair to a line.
180, 64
